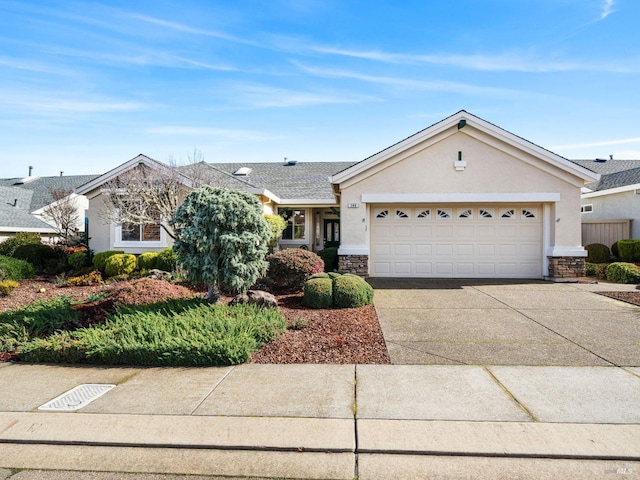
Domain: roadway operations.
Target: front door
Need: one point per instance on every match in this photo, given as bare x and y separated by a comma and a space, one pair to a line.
331, 233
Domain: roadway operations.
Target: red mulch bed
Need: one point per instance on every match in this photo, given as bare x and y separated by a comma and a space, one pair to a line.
629, 297
350, 335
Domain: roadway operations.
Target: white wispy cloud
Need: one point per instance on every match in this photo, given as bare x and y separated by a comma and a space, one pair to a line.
507, 62
31, 66
62, 103
607, 8
436, 85
259, 96
233, 134
603, 143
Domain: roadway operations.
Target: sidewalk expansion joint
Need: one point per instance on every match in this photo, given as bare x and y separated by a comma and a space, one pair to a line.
74, 443
509, 394
440, 453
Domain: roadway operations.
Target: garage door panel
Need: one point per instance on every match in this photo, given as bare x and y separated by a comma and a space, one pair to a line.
472, 241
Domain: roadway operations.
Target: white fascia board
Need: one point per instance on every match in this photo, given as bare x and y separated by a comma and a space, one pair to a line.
40, 211
353, 250
460, 197
111, 174
612, 191
578, 251
265, 193
307, 201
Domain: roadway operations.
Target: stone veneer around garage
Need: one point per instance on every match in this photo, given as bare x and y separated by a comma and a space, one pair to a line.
356, 264
566, 269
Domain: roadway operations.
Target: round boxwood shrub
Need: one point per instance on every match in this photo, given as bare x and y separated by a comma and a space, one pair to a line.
120, 264
290, 268
166, 260
330, 257
100, 259
629, 250
15, 269
336, 290
79, 260
614, 250
147, 260
350, 291
597, 253
45, 259
318, 292
621, 272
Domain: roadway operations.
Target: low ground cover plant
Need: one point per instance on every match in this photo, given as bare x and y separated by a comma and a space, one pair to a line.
176, 333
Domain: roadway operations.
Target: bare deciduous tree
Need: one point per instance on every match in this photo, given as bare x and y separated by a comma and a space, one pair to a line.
62, 214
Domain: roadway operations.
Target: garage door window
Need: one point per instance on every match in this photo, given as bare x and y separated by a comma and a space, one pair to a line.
485, 213
382, 214
444, 213
511, 213
465, 213
529, 213
423, 214
401, 215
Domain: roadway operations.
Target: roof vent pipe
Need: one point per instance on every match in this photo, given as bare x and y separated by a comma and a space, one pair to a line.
61, 172
30, 170
610, 157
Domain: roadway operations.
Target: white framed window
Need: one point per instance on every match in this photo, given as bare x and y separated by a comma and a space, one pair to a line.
586, 208
296, 218
136, 235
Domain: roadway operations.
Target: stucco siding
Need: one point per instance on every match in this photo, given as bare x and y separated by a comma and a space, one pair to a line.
618, 206
488, 170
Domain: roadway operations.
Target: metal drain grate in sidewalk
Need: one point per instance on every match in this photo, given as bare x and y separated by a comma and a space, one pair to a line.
77, 397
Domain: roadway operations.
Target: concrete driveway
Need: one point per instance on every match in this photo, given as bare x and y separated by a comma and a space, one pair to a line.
502, 322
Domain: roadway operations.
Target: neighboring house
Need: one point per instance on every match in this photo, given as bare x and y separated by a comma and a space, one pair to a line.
611, 206
24, 201
462, 198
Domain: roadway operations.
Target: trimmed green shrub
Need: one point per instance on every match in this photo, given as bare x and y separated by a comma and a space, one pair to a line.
120, 264
596, 270
166, 260
290, 268
21, 238
318, 293
350, 291
15, 269
277, 224
176, 333
78, 260
597, 253
147, 260
334, 274
319, 275
329, 256
629, 250
100, 259
6, 287
621, 272
614, 250
45, 259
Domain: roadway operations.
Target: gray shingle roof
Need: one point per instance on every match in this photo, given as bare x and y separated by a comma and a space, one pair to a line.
614, 173
304, 180
30, 196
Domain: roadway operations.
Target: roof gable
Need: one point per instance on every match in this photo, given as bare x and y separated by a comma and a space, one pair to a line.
476, 128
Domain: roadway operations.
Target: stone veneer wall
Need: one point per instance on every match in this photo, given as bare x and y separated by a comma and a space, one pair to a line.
566, 268
356, 264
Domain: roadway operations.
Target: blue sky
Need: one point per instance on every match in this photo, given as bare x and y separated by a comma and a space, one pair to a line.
86, 86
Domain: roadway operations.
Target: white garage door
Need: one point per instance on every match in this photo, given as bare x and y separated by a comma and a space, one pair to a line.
479, 241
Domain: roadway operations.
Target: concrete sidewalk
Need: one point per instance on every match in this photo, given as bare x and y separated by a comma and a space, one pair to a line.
326, 421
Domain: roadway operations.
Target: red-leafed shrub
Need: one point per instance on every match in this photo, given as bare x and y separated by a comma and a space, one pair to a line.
290, 268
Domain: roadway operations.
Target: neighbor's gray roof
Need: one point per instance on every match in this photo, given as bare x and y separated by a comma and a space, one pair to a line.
304, 180
614, 173
18, 198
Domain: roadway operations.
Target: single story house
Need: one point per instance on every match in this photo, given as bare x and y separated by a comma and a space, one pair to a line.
24, 202
462, 198
611, 206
